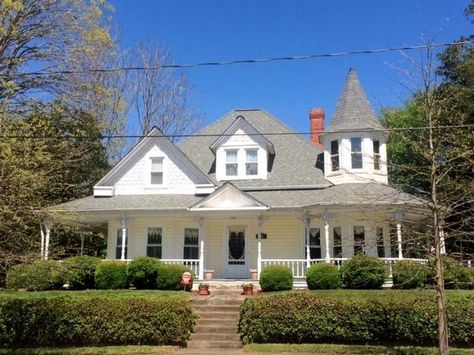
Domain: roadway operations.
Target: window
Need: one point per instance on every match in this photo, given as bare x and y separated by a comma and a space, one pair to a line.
118, 248
251, 164
191, 243
356, 152
156, 171
376, 155
359, 239
334, 155
337, 242
231, 163
380, 244
315, 243
153, 247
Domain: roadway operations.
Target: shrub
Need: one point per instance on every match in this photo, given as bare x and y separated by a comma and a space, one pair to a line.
276, 278
309, 317
143, 271
455, 274
94, 321
38, 276
363, 272
323, 276
80, 272
111, 275
169, 278
409, 274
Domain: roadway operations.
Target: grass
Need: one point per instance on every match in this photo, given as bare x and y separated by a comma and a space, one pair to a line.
107, 293
348, 349
129, 349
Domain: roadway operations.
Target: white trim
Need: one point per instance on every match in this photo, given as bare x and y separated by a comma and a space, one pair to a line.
104, 191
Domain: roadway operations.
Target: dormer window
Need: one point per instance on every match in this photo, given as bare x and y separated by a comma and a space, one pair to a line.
251, 164
231, 164
156, 177
356, 152
335, 155
376, 155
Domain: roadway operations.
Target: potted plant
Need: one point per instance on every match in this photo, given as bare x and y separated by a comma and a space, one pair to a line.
253, 274
208, 274
247, 289
203, 289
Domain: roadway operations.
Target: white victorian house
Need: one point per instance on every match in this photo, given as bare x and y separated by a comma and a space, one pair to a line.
247, 192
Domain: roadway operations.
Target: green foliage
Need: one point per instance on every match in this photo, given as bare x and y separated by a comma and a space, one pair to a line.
276, 278
169, 278
363, 272
94, 320
455, 274
111, 275
80, 272
323, 276
143, 271
304, 317
409, 274
38, 276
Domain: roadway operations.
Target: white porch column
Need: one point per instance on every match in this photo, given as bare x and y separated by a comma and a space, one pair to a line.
307, 226
441, 238
47, 226
259, 246
82, 243
201, 248
42, 241
398, 218
325, 217
124, 238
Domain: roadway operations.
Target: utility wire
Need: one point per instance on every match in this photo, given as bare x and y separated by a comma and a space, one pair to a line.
394, 129
241, 61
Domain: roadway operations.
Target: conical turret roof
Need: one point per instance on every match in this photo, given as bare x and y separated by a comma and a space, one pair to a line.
353, 110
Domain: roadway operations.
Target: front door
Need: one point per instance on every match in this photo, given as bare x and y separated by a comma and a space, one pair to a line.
236, 253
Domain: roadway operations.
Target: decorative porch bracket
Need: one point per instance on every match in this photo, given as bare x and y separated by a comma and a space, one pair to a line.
399, 218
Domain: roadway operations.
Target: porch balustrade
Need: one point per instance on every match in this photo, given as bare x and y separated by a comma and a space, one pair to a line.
192, 264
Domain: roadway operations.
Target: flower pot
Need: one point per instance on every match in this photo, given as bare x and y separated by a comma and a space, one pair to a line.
203, 290
247, 290
253, 274
208, 274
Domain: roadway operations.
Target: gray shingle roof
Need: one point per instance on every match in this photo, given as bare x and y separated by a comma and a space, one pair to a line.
353, 110
369, 194
295, 158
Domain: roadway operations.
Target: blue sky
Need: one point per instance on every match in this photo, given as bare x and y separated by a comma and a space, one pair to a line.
216, 30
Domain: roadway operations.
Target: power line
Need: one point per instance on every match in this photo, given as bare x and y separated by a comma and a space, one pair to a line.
394, 129
240, 61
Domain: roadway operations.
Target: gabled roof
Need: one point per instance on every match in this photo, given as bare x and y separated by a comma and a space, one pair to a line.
295, 158
154, 137
241, 123
353, 110
228, 197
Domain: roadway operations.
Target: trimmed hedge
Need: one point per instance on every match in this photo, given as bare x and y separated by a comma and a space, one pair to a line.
111, 275
409, 274
170, 276
80, 272
94, 320
276, 278
38, 276
364, 272
305, 317
142, 272
323, 276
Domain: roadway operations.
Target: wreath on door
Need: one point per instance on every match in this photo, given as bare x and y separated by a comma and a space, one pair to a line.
236, 245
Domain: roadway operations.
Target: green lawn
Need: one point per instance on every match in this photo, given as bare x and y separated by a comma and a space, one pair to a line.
108, 293
348, 349
129, 349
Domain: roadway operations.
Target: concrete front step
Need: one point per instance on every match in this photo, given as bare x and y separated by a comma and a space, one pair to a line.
223, 344
216, 336
232, 316
216, 328
216, 321
233, 308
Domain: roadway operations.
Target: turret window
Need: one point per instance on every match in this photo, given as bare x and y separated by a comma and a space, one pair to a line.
376, 155
334, 155
356, 152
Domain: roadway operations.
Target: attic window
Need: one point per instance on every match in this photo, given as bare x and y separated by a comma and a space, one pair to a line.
231, 165
356, 152
251, 164
156, 171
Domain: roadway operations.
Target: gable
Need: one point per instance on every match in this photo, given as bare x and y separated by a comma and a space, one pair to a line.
228, 197
132, 174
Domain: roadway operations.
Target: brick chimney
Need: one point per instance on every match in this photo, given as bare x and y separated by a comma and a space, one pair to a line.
316, 121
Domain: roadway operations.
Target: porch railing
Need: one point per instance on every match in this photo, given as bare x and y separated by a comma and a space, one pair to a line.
192, 264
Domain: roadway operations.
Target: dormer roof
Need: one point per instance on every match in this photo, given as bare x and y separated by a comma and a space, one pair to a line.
241, 123
353, 110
